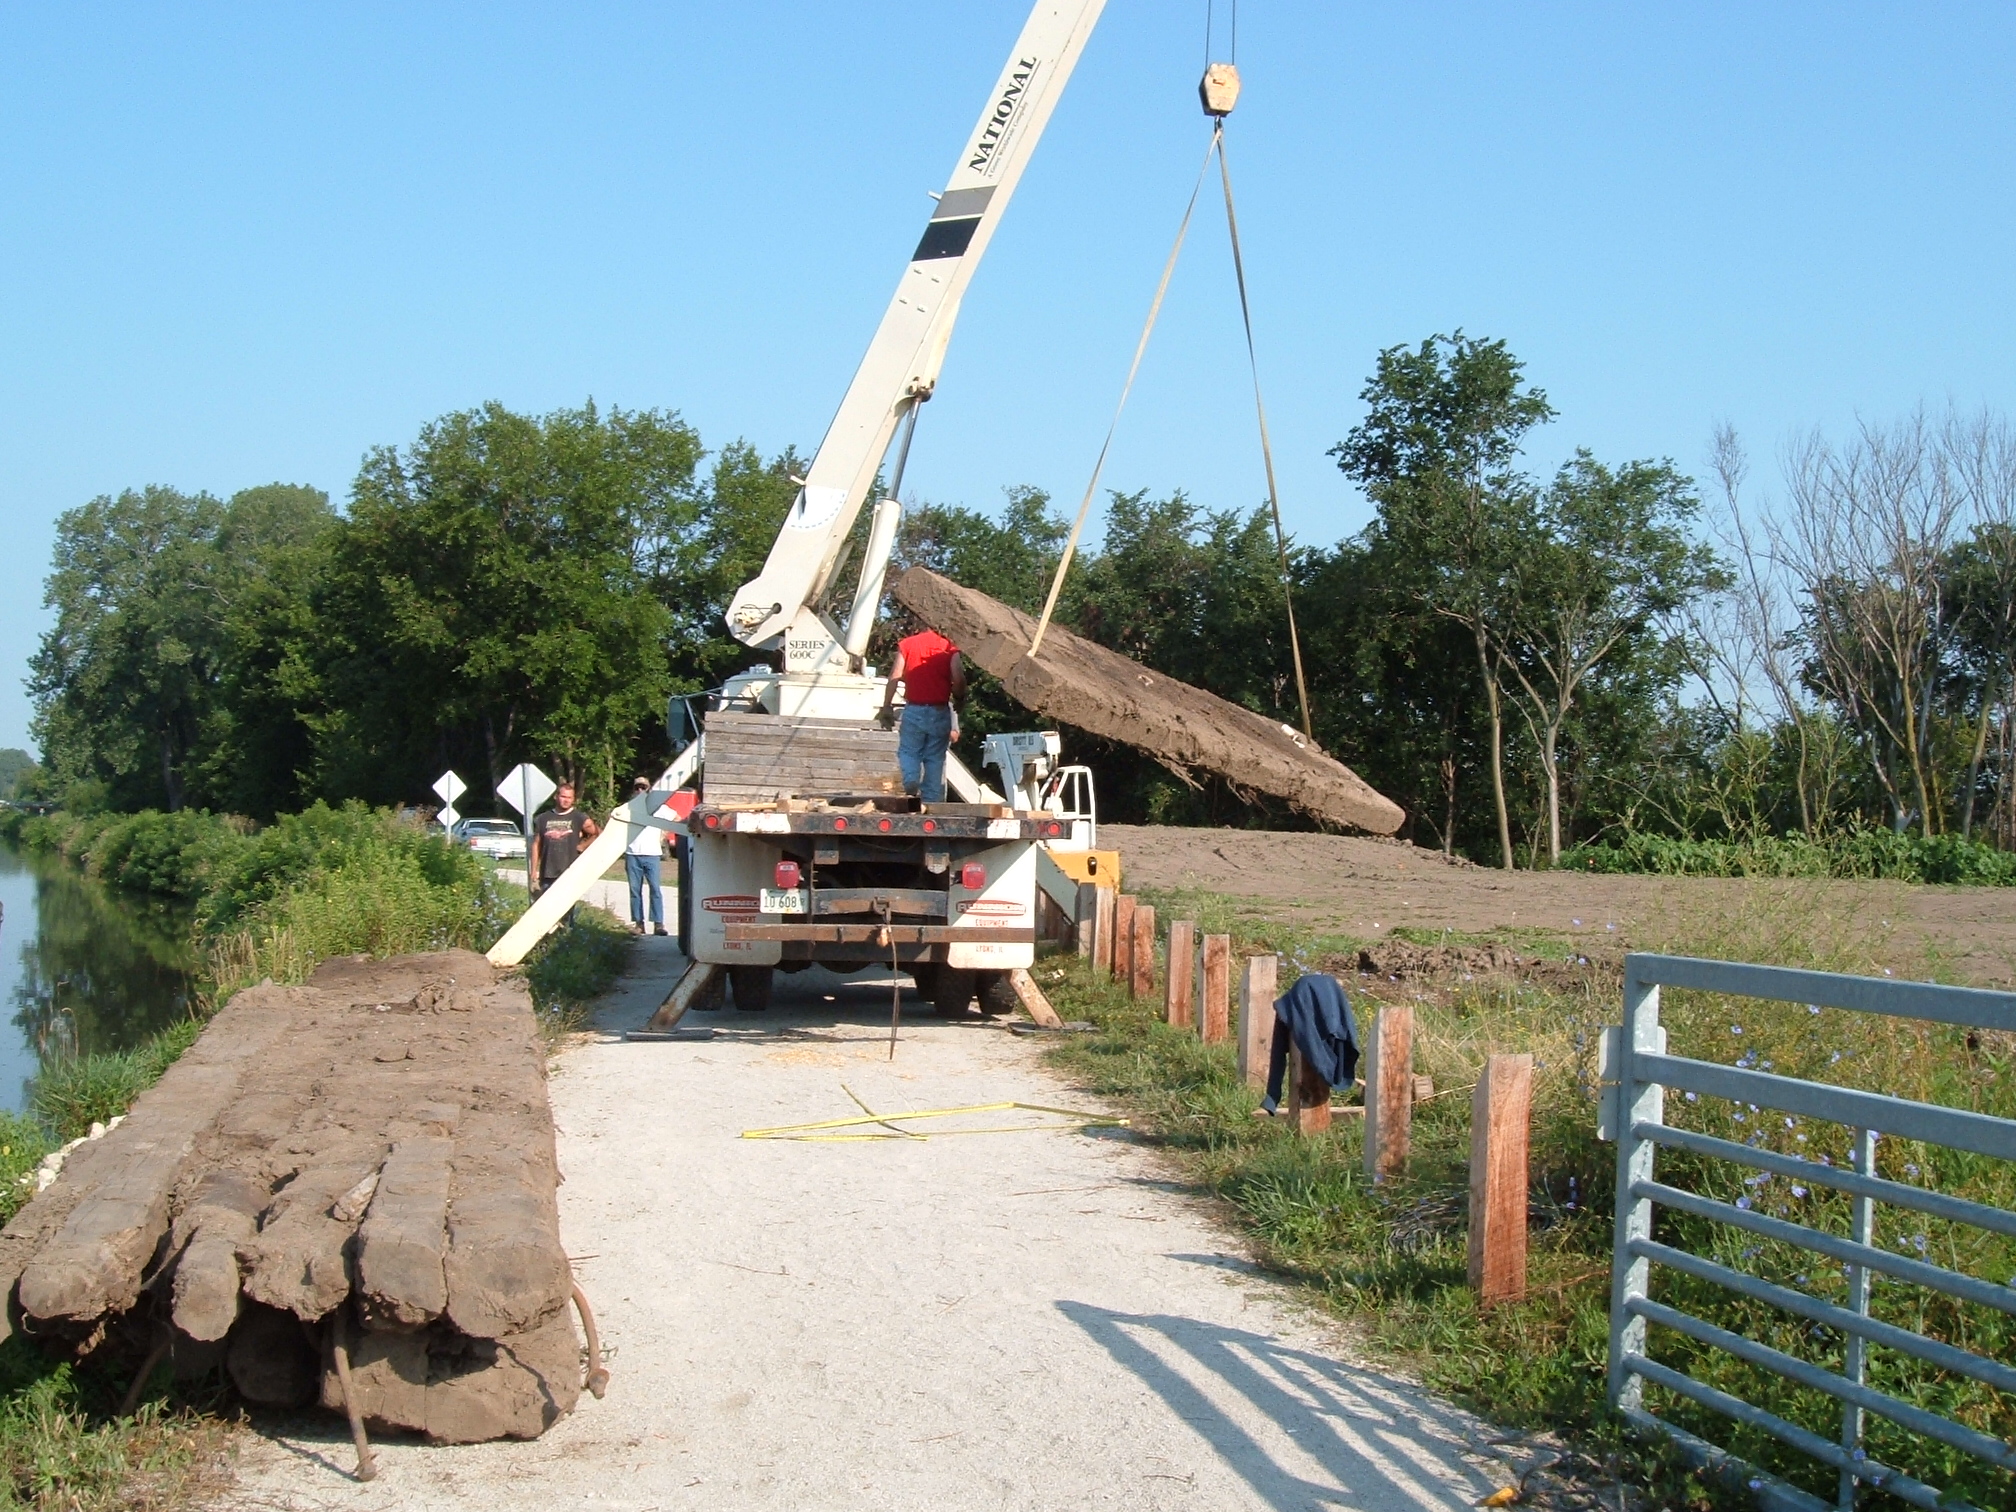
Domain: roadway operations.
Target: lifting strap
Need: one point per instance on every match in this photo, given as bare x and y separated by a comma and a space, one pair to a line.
1217, 146
1266, 446
1140, 349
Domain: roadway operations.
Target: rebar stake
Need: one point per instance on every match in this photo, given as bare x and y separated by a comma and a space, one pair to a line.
367, 1463
597, 1379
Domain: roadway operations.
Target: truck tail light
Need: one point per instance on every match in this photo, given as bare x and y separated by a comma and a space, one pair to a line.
973, 876
787, 876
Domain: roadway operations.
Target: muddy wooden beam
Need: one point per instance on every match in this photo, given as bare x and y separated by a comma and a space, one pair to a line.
1074, 682
1500, 1118
1032, 999
402, 1248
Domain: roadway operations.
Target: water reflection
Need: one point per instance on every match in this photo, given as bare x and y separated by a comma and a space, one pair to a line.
84, 968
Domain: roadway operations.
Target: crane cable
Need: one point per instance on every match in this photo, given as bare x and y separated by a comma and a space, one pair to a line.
1140, 350
1266, 446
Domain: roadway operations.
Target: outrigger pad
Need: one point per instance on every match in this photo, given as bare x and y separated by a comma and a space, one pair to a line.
1075, 682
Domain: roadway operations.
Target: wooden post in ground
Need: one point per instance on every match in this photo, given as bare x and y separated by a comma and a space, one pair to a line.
1256, 1018
1141, 980
1121, 966
1389, 1091
1308, 1097
1179, 1010
1500, 1117
1214, 1013
1086, 917
1102, 931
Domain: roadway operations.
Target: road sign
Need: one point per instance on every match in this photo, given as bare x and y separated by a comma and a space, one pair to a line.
525, 788
450, 787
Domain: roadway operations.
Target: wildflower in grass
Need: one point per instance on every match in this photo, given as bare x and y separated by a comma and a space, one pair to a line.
1691, 1097
1836, 1056
1743, 1203
1798, 1191
1918, 1243
1812, 1007
1910, 1170
1735, 1028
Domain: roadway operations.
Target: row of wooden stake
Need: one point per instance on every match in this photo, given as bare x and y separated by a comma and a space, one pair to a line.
1118, 935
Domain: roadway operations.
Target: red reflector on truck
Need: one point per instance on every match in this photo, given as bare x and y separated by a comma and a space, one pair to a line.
786, 875
973, 876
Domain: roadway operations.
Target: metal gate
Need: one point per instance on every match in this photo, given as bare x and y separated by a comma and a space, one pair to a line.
1637, 1071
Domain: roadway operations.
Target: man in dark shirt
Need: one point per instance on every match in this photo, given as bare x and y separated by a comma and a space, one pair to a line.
558, 834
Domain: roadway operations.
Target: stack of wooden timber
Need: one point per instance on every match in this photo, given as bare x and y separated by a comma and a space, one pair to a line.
1074, 682
367, 1158
760, 758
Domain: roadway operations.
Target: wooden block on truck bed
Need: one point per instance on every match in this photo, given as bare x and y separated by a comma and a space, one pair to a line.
759, 758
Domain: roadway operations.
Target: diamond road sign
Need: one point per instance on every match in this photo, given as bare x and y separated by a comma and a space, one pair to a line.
525, 788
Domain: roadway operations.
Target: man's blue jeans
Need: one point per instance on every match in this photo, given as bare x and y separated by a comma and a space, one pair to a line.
920, 749
639, 870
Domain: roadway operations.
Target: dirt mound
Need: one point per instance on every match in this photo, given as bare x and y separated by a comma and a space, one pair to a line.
1077, 683
368, 1157
1404, 961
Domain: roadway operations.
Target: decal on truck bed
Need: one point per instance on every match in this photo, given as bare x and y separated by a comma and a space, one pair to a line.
732, 903
990, 908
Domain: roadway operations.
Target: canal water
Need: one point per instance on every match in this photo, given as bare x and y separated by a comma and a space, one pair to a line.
82, 969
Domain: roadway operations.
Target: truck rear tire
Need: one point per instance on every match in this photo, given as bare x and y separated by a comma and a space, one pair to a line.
997, 994
951, 991
750, 986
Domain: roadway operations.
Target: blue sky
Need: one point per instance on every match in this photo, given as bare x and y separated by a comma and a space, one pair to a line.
246, 244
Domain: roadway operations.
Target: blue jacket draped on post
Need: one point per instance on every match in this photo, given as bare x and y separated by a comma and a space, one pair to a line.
1316, 1015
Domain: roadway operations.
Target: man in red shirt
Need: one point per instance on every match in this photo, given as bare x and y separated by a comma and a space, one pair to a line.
933, 675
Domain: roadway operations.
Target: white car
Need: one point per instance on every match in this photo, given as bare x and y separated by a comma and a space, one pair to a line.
490, 837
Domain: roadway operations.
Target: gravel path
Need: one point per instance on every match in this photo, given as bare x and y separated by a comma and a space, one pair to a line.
1022, 1320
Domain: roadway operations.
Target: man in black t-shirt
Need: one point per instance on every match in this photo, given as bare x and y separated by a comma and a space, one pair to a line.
558, 834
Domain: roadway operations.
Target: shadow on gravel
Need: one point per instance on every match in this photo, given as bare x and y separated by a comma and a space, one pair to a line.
1351, 1439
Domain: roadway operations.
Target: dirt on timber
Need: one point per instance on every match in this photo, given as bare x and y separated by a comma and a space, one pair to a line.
1075, 682
367, 1158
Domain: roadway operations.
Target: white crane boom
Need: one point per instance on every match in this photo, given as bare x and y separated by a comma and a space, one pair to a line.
902, 363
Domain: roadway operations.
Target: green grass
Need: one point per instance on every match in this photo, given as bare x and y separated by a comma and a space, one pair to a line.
1863, 854
1392, 1257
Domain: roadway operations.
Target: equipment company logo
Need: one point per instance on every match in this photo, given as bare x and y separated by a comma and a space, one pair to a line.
990, 908
731, 903
996, 132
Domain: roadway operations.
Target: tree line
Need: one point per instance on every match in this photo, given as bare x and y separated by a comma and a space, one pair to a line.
1524, 663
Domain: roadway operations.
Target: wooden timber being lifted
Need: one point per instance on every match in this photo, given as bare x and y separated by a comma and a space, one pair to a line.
365, 1161
1075, 682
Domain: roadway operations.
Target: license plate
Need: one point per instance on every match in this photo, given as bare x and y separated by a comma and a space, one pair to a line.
782, 900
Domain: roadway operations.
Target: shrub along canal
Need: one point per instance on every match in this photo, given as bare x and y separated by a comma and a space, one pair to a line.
83, 968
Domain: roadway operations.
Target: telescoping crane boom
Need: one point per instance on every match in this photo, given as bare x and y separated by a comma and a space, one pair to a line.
778, 610
962, 928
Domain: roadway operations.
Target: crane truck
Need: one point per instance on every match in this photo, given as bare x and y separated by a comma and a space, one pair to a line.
799, 846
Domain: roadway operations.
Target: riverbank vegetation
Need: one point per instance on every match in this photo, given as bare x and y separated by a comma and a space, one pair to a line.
1597, 658
1392, 1260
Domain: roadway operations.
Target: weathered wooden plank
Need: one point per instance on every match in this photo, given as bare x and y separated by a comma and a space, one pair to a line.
1141, 959
1032, 999
1179, 1008
1215, 1012
1121, 964
1500, 1119
1308, 1097
1085, 918
1256, 1017
297, 1262
1389, 1091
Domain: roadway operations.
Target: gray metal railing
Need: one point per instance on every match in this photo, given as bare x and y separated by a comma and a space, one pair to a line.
1636, 1073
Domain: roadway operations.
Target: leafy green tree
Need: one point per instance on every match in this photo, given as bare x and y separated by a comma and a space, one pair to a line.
492, 593
1435, 454
123, 682
14, 765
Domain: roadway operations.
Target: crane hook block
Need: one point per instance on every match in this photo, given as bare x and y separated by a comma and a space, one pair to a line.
1219, 89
